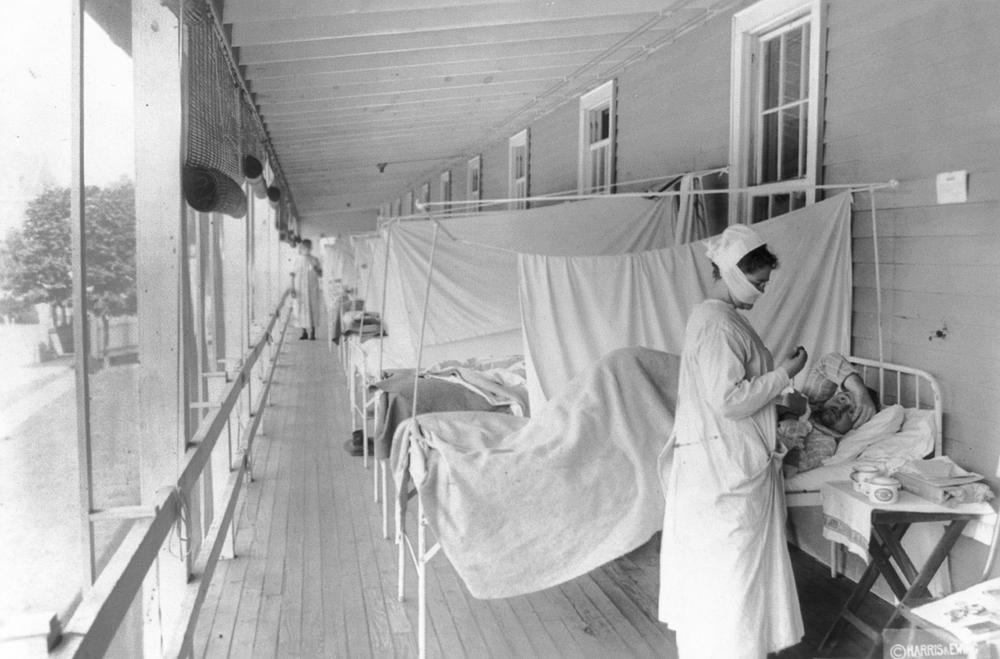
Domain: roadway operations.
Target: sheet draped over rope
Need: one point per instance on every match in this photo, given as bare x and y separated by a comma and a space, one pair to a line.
474, 309
576, 308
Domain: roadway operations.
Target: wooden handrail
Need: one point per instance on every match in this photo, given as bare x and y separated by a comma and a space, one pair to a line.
92, 626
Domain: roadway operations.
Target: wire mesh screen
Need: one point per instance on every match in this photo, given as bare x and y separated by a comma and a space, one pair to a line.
214, 141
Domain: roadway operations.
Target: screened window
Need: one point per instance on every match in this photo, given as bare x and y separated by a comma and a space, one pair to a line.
473, 181
597, 134
517, 187
775, 122
445, 190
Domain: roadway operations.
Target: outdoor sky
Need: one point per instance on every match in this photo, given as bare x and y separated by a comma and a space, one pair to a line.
35, 70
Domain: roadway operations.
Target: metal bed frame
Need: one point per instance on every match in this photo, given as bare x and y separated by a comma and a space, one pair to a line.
895, 384
909, 387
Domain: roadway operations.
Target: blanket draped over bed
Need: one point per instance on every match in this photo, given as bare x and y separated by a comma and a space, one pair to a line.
520, 505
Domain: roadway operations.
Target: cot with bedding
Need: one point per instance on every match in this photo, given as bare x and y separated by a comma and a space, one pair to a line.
520, 505
383, 399
920, 395
435, 451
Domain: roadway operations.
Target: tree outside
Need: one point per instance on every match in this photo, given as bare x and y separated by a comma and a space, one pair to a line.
36, 259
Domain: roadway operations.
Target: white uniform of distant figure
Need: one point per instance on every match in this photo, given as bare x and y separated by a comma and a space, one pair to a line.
306, 272
726, 582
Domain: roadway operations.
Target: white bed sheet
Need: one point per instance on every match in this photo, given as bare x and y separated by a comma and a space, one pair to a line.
914, 440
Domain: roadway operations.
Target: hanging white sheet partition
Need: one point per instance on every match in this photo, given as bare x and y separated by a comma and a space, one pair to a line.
474, 307
576, 309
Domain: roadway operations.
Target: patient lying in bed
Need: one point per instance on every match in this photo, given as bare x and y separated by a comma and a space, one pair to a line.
838, 402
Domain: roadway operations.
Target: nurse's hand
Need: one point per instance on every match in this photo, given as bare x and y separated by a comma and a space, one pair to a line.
795, 362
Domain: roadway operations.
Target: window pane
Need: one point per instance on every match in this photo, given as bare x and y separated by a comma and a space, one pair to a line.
771, 70
605, 132
110, 269
769, 149
779, 204
790, 143
793, 64
759, 209
42, 563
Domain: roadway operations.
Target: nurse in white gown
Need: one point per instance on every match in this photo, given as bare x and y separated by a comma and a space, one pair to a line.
726, 582
306, 272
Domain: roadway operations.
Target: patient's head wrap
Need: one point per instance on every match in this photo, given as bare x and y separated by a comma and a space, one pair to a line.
726, 250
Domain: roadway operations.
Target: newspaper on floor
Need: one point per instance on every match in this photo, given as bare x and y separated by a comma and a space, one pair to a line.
971, 615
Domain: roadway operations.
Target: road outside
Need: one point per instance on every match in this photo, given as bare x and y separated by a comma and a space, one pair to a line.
41, 560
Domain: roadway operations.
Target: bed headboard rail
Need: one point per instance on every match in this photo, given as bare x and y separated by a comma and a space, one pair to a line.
909, 387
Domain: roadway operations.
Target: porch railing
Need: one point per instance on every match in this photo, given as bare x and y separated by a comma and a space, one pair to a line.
91, 628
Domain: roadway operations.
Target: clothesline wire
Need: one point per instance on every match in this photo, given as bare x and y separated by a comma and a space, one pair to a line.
620, 184
850, 187
672, 178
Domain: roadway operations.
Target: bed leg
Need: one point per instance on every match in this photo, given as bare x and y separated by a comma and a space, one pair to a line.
400, 555
364, 428
836, 558
421, 582
385, 500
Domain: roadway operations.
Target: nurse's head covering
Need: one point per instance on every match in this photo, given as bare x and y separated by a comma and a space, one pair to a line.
726, 249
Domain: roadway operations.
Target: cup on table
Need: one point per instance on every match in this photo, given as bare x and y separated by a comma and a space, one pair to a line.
883, 490
861, 476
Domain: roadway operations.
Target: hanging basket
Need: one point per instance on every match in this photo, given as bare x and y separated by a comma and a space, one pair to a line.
253, 170
274, 195
210, 191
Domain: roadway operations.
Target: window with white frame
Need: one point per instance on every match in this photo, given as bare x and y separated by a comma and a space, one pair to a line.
775, 113
473, 181
425, 197
595, 173
408, 199
445, 191
517, 180
396, 206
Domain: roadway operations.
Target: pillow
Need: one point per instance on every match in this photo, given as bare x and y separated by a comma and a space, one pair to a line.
914, 440
886, 422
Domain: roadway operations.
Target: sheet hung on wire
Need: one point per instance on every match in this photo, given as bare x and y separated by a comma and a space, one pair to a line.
575, 309
474, 292
521, 504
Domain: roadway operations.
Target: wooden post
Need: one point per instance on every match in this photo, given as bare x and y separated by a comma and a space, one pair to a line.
80, 327
160, 253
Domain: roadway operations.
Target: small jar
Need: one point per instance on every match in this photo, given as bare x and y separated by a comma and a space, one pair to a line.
861, 476
883, 490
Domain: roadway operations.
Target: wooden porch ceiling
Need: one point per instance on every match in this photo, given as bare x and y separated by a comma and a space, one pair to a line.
422, 85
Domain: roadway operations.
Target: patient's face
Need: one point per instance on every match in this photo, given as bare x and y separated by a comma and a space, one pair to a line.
838, 412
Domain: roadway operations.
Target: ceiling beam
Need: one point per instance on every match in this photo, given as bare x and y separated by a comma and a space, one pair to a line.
313, 131
332, 109
405, 97
262, 10
510, 35
457, 72
335, 142
401, 85
290, 30
433, 55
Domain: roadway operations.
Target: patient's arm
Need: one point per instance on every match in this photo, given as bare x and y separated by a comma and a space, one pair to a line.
864, 406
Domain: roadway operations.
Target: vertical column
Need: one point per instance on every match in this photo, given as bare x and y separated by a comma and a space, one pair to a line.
80, 327
160, 251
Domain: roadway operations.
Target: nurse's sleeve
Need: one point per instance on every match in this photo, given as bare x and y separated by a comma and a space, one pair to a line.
721, 356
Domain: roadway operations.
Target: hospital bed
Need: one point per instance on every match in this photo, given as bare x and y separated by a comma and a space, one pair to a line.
519, 505
920, 395
915, 390
381, 403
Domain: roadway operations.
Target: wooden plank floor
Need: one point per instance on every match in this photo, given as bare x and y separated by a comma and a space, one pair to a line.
314, 578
